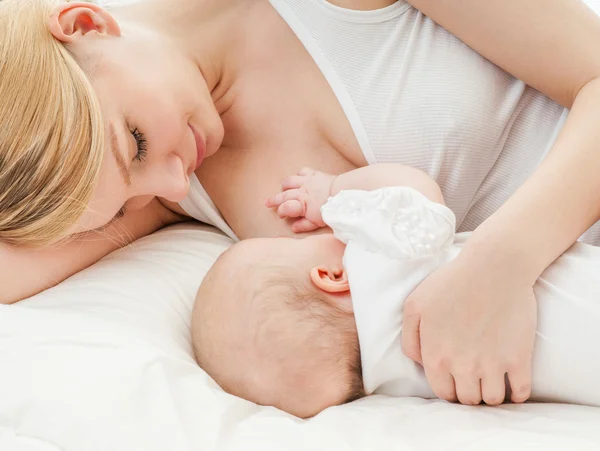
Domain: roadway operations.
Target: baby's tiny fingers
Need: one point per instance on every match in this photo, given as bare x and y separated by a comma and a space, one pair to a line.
292, 182
306, 171
304, 225
291, 209
273, 201
278, 199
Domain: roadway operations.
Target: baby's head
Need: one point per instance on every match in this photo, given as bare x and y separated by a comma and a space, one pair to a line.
273, 323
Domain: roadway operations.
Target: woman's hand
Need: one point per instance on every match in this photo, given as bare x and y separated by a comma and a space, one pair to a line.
469, 324
302, 197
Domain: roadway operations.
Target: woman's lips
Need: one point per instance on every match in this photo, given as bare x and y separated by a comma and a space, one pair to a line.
200, 147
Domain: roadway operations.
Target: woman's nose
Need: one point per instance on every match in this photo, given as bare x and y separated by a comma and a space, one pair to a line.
167, 179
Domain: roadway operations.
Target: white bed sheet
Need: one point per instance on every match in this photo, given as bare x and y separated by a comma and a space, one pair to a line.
103, 362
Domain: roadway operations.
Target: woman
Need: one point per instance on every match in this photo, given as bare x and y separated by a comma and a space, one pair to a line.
107, 118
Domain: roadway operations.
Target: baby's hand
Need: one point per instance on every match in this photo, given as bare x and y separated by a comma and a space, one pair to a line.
302, 197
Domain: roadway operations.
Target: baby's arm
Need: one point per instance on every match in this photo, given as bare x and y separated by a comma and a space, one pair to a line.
382, 175
304, 194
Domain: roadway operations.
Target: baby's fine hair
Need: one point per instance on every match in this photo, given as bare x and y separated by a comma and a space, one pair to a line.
325, 326
326, 335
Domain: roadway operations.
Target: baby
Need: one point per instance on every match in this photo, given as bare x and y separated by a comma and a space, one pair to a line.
305, 324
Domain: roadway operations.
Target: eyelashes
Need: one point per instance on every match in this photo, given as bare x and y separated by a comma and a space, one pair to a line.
141, 143
140, 155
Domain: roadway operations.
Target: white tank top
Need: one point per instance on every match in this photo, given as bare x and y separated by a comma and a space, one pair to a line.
415, 94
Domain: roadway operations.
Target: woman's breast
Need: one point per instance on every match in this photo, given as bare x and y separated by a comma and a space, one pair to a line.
240, 180
273, 130
284, 117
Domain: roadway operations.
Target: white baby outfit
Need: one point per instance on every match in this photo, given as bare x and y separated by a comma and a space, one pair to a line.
396, 237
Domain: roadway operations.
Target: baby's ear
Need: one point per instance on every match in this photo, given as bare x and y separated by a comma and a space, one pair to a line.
333, 282
330, 280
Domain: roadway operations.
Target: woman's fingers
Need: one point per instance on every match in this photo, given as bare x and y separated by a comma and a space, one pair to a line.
477, 322
411, 336
493, 388
442, 384
519, 378
468, 389
304, 225
292, 209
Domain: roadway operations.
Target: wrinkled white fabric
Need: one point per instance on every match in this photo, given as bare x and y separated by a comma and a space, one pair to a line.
396, 237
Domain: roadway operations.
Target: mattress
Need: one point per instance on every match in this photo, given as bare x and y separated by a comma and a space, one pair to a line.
103, 362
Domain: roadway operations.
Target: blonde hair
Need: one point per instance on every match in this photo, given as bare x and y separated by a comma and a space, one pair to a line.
51, 129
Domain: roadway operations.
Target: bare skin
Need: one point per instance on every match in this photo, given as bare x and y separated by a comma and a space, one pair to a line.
305, 131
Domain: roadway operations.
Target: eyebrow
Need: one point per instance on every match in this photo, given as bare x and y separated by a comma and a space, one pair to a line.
114, 147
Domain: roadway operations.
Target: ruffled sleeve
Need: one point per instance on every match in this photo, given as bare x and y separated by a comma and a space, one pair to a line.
397, 221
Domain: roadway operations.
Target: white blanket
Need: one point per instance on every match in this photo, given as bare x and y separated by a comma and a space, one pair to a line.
103, 362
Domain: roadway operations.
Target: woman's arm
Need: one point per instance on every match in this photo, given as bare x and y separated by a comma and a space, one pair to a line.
554, 46
26, 272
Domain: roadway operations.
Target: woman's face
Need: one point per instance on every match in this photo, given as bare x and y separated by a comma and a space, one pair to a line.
159, 118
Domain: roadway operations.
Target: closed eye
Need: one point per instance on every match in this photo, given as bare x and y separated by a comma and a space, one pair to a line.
141, 143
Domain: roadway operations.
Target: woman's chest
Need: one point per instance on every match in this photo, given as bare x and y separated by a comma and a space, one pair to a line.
284, 116
406, 90
282, 136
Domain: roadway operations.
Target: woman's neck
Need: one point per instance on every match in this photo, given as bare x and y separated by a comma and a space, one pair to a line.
209, 32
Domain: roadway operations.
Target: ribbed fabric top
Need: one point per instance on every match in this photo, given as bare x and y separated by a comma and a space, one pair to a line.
415, 94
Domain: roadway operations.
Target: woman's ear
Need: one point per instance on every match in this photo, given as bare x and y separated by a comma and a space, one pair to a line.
70, 21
